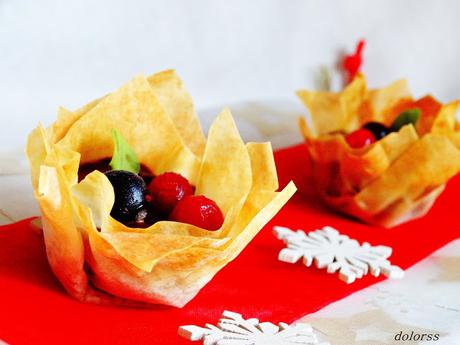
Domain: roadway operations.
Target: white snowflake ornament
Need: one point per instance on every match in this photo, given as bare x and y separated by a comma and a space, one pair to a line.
232, 329
336, 252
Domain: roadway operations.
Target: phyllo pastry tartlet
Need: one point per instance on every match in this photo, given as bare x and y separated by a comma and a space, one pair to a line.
380, 155
137, 206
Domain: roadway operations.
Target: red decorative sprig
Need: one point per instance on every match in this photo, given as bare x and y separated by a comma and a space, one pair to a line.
352, 63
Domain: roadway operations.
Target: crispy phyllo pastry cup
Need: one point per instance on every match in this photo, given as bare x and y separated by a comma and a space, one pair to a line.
100, 260
399, 177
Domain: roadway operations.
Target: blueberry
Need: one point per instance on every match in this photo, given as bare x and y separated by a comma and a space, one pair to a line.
129, 191
379, 130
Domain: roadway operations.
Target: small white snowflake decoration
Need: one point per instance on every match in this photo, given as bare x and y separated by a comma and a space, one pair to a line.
232, 329
336, 252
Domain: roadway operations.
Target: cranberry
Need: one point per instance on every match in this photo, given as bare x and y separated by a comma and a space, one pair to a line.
199, 211
360, 138
167, 189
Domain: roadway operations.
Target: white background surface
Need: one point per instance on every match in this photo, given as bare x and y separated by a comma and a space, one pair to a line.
68, 52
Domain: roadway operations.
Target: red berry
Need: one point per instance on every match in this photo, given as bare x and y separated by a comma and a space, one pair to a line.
199, 211
167, 189
359, 138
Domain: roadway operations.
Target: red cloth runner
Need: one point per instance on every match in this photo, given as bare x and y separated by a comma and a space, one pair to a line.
34, 308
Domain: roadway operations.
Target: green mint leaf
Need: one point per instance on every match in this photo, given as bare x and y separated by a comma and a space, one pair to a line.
410, 116
123, 157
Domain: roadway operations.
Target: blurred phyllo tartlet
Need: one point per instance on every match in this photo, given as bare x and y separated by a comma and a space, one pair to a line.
379, 155
137, 206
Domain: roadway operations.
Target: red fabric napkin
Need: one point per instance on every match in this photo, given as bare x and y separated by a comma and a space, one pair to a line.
34, 308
